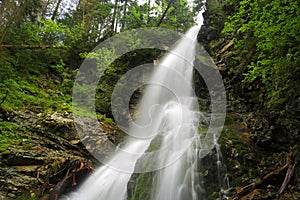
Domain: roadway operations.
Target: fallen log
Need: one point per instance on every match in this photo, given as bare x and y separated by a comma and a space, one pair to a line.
289, 167
60, 187
8, 46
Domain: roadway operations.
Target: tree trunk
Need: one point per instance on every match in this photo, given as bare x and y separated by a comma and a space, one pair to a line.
124, 14
165, 13
56, 9
45, 9
114, 15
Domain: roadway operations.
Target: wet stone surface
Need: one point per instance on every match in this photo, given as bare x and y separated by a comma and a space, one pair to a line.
50, 146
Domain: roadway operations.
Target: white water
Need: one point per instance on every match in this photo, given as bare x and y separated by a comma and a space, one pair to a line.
177, 180
168, 113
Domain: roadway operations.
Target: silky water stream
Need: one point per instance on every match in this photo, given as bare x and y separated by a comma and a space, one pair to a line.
168, 123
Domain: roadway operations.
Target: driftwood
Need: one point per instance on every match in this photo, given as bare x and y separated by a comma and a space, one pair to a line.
71, 172
289, 167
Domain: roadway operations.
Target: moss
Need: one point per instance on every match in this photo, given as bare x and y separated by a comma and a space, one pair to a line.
105, 119
27, 196
33, 92
11, 136
142, 187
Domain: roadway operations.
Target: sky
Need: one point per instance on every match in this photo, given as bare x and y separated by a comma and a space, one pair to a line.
198, 19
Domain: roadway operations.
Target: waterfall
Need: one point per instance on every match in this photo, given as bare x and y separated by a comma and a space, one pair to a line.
177, 179
167, 118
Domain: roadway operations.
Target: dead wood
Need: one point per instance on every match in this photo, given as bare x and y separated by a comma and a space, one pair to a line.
288, 176
8, 46
227, 46
58, 180
289, 167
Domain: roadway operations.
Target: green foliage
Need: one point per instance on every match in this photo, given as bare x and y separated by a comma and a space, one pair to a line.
59, 67
270, 29
38, 71
23, 88
51, 32
175, 15
179, 16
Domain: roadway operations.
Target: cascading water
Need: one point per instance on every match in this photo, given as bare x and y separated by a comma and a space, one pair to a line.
168, 118
180, 129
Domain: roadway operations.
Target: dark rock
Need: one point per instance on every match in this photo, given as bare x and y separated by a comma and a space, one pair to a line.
62, 124
51, 142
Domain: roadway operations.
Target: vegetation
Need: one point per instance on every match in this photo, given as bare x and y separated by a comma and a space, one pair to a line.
263, 65
143, 183
43, 43
10, 136
255, 45
269, 31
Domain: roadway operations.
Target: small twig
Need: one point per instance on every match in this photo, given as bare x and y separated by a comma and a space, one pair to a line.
287, 178
38, 178
227, 46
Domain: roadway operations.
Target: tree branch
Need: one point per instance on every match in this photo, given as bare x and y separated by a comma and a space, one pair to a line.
165, 13
8, 46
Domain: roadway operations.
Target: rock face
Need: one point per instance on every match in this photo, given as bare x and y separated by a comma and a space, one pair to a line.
33, 167
253, 158
253, 143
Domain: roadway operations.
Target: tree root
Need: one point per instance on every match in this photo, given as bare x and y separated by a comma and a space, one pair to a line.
56, 182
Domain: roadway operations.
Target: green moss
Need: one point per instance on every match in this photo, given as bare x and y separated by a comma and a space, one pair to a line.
10, 136
105, 119
142, 189
20, 91
27, 196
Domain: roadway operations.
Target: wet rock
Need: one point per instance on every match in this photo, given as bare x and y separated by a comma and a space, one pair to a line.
62, 124
21, 157
14, 184
50, 142
3, 196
